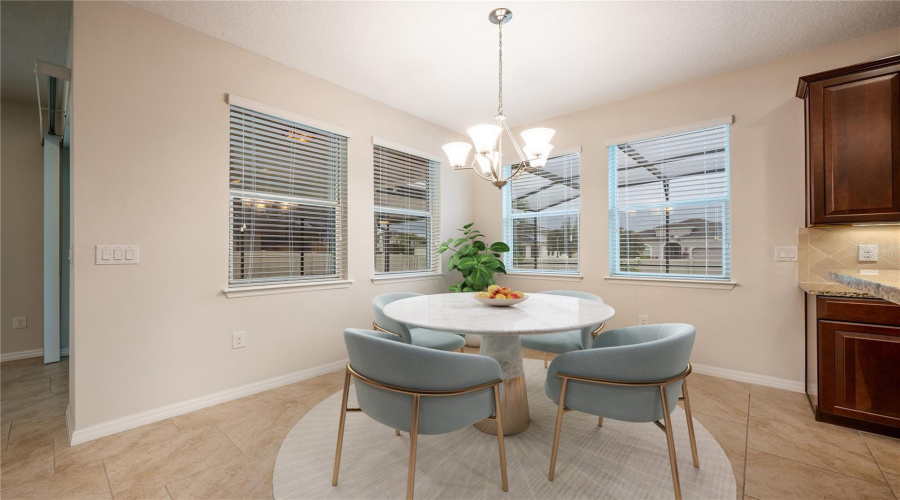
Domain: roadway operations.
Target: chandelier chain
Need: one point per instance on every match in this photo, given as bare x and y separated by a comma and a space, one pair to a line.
500, 74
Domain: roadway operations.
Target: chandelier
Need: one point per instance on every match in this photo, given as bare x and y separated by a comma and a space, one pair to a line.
488, 161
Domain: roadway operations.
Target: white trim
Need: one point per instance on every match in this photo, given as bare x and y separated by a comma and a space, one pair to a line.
12, 356
125, 423
33, 353
400, 278
70, 424
255, 291
546, 276
751, 378
565, 151
671, 282
287, 115
714, 122
403, 149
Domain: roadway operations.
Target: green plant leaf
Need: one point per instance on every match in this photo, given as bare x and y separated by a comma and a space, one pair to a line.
479, 245
468, 251
466, 263
467, 226
460, 241
485, 257
467, 289
499, 247
494, 264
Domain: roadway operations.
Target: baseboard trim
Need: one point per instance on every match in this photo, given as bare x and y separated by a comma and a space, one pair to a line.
752, 378
33, 353
155, 415
12, 356
69, 427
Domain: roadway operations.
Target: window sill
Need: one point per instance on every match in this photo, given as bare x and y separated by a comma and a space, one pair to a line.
678, 283
254, 291
547, 276
400, 278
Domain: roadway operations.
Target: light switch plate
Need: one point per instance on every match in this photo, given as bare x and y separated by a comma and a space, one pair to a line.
785, 254
868, 253
106, 255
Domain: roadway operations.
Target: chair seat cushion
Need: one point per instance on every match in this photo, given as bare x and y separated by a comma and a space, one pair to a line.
556, 343
434, 339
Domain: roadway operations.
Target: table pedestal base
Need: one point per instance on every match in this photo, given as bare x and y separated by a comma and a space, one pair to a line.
507, 350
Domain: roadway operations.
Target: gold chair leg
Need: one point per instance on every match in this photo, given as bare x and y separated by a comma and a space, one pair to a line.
502, 447
599, 421
690, 422
559, 417
340, 437
670, 439
413, 437
397, 431
545, 362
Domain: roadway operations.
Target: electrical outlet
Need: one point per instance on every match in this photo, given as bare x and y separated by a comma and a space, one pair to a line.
643, 319
20, 322
238, 340
868, 253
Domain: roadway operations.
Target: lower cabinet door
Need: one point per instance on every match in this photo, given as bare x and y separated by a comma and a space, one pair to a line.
859, 371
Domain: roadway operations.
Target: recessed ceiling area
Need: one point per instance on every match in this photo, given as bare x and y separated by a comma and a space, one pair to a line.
438, 60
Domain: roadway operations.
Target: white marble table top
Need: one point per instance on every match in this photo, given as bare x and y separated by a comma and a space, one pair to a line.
461, 313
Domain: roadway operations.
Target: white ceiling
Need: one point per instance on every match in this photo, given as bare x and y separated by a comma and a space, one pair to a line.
29, 31
438, 60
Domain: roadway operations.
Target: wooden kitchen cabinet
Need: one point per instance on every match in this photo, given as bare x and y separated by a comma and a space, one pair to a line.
853, 143
858, 358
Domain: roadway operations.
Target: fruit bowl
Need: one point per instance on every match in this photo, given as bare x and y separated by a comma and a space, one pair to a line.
500, 302
498, 296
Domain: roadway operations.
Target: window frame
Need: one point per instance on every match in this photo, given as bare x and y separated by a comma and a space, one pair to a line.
433, 215
509, 217
617, 276
341, 259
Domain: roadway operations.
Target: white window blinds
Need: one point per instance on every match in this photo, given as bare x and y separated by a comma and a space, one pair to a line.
541, 218
288, 186
406, 212
669, 206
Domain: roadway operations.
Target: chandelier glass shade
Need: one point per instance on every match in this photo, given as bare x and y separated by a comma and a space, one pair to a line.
486, 138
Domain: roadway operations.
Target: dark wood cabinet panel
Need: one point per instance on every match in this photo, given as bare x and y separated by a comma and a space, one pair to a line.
856, 360
853, 143
860, 373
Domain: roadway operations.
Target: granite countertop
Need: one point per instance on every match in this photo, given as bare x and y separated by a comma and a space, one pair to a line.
884, 284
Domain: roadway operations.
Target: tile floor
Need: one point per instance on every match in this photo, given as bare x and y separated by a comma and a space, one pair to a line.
228, 451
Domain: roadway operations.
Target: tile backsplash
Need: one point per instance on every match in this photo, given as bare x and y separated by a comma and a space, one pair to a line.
821, 249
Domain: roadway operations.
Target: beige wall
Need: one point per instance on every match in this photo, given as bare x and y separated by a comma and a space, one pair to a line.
758, 326
21, 181
151, 168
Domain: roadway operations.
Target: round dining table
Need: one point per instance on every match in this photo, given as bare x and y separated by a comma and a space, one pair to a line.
500, 328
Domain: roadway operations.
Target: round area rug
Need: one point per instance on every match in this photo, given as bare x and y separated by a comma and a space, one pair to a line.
618, 460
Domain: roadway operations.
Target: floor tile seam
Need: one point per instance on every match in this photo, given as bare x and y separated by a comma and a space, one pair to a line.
817, 467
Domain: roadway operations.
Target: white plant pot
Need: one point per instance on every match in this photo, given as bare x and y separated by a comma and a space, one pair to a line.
473, 340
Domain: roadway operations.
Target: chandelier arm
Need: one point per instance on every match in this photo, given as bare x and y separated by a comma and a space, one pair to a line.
514, 142
478, 170
521, 169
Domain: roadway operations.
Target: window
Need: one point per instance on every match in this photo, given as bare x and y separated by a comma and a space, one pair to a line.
406, 212
669, 206
288, 186
541, 218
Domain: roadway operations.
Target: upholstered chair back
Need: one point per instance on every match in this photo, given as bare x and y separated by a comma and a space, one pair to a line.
644, 353
386, 360
378, 305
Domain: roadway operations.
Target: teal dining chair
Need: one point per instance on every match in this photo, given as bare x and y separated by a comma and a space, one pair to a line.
420, 391
632, 374
563, 342
422, 337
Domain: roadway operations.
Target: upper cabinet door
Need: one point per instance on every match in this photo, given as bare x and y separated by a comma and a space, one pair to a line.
853, 143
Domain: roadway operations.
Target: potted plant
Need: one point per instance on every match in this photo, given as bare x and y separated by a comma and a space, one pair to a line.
474, 259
